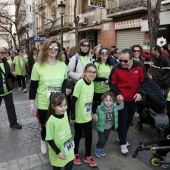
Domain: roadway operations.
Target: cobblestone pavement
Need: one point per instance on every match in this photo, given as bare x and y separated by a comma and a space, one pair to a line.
20, 149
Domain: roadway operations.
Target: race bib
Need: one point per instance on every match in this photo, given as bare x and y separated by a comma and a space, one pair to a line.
104, 84
88, 108
69, 146
51, 90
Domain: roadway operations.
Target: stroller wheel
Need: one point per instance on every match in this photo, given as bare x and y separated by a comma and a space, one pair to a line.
155, 161
139, 127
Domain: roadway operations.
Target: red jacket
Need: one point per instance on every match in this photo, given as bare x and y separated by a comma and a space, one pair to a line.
127, 82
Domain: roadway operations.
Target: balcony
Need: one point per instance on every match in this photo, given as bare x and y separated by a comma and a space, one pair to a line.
127, 8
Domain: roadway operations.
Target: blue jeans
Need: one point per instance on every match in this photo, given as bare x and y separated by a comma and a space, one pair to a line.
125, 117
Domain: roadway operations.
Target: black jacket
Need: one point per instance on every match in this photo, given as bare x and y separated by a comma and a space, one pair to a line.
31, 62
162, 75
7, 73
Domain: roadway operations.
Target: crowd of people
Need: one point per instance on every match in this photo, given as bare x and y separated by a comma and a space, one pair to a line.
76, 86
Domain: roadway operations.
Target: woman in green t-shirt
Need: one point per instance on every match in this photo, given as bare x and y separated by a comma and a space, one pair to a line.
104, 67
19, 69
59, 137
48, 75
81, 113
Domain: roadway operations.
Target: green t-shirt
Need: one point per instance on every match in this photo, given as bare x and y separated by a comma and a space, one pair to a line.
50, 80
84, 93
3, 80
84, 60
20, 63
59, 131
103, 71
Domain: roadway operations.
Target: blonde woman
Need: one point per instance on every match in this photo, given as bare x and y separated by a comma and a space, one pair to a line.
48, 75
19, 69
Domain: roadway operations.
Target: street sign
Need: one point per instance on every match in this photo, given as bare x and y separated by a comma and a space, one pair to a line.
97, 3
37, 38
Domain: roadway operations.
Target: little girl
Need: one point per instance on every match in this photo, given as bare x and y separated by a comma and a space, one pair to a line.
81, 112
58, 134
106, 117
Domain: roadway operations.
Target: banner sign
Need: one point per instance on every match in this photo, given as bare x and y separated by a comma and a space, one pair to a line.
97, 3
37, 38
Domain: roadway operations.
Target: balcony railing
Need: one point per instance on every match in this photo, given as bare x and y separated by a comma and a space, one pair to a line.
132, 7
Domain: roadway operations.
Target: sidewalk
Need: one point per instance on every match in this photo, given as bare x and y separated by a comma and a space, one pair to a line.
20, 149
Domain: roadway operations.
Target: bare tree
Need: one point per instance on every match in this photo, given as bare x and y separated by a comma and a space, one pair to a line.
15, 20
51, 22
8, 40
153, 20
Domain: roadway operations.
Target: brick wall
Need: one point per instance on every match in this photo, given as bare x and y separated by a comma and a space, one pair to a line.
108, 36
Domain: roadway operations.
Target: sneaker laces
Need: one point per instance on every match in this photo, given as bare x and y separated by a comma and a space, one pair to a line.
77, 157
91, 159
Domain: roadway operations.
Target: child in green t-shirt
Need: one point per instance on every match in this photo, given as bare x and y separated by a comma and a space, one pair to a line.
58, 134
81, 113
106, 117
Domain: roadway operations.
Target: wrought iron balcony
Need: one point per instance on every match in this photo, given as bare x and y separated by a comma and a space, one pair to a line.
130, 8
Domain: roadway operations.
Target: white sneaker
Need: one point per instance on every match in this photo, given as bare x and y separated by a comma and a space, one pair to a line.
127, 143
25, 90
124, 149
43, 147
19, 89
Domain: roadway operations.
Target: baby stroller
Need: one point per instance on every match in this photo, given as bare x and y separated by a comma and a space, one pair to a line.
152, 110
156, 160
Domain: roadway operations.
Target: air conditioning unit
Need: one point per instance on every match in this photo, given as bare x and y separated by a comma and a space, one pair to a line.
82, 19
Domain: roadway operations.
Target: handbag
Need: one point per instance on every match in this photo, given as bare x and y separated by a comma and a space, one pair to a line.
9, 82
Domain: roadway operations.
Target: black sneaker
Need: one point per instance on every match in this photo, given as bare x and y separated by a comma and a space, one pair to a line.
16, 126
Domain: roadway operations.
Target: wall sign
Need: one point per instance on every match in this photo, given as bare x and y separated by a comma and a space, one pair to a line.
37, 38
128, 24
97, 3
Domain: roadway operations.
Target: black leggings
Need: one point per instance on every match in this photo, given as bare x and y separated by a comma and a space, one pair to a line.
68, 166
97, 100
43, 114
87, 127
21, 79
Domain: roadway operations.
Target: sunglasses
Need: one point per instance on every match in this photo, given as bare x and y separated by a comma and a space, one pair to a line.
3, 52
136, 51
53, 48
125, 61
85, 45
106, 53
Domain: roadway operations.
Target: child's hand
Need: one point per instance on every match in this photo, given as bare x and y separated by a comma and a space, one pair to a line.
72, 122
61, 156
95, 117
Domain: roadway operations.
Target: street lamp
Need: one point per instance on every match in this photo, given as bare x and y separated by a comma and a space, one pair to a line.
61, 8
27, 30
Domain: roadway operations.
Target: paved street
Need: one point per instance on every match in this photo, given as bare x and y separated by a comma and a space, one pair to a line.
20, 149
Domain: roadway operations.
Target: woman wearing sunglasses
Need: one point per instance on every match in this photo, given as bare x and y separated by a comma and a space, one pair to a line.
19, 70
49, 75
104, 68
138, 53
79, 60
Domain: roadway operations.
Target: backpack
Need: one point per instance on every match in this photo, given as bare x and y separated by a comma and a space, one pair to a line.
76, 62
